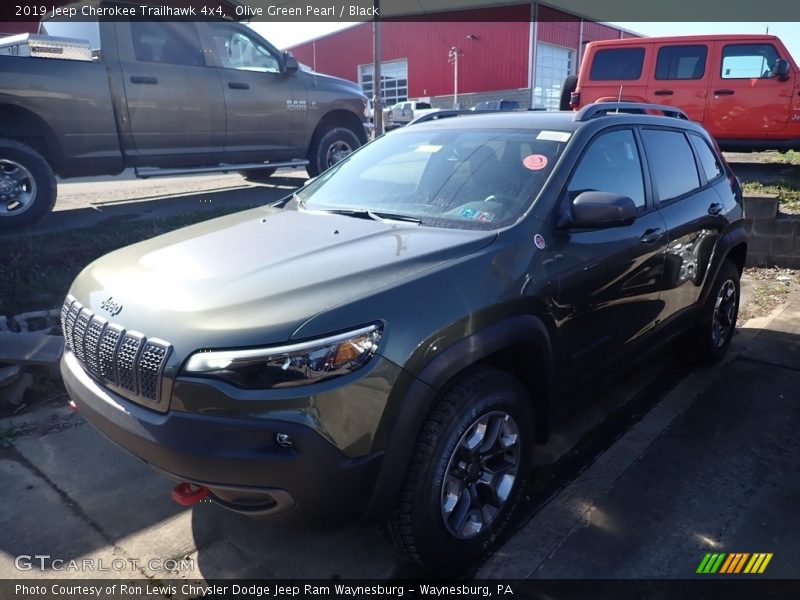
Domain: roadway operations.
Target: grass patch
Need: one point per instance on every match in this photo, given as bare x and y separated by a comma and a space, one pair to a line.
788, 193
36, 270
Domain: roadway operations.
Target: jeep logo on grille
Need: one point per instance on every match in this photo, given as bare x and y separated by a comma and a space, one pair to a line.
111, 306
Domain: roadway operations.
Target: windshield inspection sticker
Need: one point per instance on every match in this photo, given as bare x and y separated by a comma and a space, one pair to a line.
535, 162
538, 240
478, 215
554, 136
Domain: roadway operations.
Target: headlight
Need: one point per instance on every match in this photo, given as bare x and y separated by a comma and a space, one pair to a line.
290, 365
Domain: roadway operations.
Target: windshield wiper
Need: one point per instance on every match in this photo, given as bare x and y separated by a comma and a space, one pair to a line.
370, 214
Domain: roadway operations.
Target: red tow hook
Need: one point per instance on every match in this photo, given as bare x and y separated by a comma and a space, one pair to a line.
187, 495
72, 406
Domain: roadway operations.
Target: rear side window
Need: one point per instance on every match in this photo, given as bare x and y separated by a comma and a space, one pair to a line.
611, 164
671, 163
617, 63
681, 62
162, 42
748, 61
708, 160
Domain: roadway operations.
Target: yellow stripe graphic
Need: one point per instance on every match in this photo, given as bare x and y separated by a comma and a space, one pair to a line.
765, 563
727, 563
741, 562
751, 564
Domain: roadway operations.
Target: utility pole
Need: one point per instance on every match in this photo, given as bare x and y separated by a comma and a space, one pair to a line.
377, 87
453, 58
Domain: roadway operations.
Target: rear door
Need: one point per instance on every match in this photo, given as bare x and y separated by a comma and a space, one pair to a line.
685, 172
681, 77
609, 278
175, 104
266, 108
746, 100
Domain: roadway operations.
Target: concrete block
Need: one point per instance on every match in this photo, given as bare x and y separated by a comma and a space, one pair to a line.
757, 259
782, 245
773, 227
758, 244
760, 207
12, 395
30, 348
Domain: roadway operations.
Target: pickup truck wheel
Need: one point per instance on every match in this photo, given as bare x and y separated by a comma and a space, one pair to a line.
467, 472
258, 175
27, 185
713, 334
329, 147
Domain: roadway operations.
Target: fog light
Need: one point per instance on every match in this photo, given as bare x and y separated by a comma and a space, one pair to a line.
284, 439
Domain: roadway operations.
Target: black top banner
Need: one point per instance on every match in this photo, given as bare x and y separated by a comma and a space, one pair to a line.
405, 10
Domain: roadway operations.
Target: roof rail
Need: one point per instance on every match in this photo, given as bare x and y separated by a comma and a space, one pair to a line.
598, 109
455, 112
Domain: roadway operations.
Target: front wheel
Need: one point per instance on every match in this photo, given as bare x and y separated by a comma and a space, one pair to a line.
27, 185
330, 146
467, 472
714, 332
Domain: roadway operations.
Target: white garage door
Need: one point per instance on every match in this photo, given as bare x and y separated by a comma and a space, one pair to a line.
553, 64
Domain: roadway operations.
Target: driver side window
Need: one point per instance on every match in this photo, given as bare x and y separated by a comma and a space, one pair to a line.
611, 164
237, 50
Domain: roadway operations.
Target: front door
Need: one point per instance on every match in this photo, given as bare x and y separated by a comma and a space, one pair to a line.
746, 99
610, 278
266, 107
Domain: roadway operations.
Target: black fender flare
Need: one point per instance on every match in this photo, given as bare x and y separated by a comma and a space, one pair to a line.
413, 396
733, 237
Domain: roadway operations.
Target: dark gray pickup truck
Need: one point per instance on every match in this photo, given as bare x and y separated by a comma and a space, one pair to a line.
153, 94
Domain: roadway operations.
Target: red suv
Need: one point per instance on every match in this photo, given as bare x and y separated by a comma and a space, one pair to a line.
744, 89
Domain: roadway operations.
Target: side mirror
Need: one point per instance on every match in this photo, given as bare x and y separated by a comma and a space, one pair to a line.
602, 209
782, 69
290, 62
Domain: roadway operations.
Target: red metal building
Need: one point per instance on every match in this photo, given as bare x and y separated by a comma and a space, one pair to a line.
521, 52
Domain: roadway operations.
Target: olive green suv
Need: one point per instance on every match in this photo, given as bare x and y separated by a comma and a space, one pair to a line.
392, 340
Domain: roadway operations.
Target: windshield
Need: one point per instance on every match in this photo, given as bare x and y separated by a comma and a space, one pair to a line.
466, 179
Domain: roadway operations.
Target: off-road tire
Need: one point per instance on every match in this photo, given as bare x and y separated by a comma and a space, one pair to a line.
417, 525
570, 85
40, 171
322, 144
704, 349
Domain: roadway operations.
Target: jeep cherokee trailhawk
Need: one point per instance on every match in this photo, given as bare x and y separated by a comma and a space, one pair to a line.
390, 341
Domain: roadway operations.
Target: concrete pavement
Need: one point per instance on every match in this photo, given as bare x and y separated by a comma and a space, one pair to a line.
715, 467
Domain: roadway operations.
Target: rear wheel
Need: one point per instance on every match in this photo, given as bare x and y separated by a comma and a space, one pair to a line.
329, 146
570, 85
713, 334
27, 185
469, 467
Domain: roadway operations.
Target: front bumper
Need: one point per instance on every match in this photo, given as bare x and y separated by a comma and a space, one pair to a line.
238, 459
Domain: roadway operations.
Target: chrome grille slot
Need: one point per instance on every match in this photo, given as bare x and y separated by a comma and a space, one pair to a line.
125, 360
69, 323
127, 355
154, 356
91, 344
107, 351
81, 322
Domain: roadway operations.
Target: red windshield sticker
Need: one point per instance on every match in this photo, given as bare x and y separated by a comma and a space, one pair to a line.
535, 162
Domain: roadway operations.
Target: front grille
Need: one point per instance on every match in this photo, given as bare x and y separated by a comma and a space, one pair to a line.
126, 360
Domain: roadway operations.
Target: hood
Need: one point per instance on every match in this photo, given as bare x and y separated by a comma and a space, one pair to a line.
254, 277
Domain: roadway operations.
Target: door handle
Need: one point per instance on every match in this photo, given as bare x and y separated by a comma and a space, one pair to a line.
235, 85
723, 92
143, 79
651, 236
715, 208
663, 92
